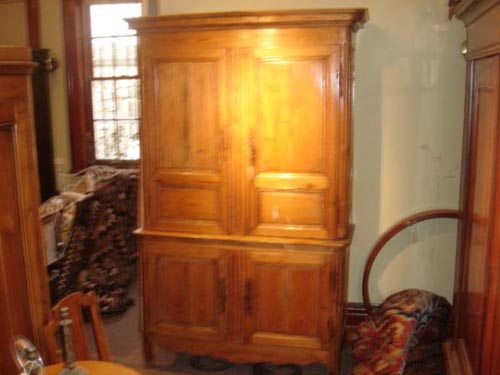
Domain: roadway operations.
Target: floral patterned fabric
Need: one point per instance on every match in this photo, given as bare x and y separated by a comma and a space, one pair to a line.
62, 210
403, 336
100, 251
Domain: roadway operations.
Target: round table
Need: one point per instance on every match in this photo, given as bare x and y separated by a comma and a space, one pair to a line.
95, 368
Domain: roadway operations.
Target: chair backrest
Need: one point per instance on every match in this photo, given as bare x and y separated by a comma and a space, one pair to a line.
75, 302
391, 232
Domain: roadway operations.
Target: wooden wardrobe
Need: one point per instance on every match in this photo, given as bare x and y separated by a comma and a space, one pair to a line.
246, 162
475, 348
24, 301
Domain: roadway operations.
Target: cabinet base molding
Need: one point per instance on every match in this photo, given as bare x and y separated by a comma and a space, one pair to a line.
456, 359
240, 352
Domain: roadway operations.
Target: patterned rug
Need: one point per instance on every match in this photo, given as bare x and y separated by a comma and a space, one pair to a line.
98, 251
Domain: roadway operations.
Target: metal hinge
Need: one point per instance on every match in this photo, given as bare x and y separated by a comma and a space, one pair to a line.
248, 297
222, 295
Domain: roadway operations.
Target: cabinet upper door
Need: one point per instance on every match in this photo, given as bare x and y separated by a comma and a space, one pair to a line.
184, 138
298, 143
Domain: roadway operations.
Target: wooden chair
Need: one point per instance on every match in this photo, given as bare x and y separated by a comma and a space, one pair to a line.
390, 233
75, 302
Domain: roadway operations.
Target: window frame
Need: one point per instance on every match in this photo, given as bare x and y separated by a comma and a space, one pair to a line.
78, 51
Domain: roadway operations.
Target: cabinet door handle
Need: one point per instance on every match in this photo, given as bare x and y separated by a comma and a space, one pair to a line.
248, 297
341, 81
252, 150
331, 333
222, 295
224, 144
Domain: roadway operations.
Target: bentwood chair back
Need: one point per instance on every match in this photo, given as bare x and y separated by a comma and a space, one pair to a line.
76, 303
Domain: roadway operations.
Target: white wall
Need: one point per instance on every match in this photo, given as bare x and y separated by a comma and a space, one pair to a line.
52, 36
409, 95
14, 31
13, 23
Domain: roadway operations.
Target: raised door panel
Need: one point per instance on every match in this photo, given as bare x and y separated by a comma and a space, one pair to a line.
287, 299
15, 316
477, 310
294, 138
186, 142
186, 290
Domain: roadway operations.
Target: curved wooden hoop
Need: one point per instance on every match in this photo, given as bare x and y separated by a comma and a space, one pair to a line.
391, 232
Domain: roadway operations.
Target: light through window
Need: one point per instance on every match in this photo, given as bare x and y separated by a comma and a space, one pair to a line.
115, 82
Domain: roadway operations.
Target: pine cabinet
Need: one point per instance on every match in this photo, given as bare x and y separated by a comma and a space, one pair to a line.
246, 183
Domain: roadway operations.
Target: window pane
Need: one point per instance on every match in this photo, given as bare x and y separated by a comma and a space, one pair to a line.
108, 19
116, 140
103, 99
127, 98
128, 134
115, 99
105, 142
114, 57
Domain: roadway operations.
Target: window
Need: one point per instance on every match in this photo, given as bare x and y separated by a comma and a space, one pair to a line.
103, 83
115, 84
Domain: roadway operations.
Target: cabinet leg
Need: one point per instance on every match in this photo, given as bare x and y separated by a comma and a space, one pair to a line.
150, 352
333, 369
334, 365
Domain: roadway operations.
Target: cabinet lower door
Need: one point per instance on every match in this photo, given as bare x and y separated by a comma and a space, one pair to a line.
287, 299
185, 290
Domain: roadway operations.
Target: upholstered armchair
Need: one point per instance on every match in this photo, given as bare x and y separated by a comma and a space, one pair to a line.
404, 334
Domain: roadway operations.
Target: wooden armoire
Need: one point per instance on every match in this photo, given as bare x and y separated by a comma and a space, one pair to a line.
24, 301
475, 348
246, 163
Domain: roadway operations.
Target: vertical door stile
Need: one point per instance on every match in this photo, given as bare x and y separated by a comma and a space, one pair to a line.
225, 167
247, 119
340, 151
344, 114
334, 135
237, 125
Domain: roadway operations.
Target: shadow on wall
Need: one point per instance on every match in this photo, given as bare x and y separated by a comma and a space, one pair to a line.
370, 62
407, 137
428, 245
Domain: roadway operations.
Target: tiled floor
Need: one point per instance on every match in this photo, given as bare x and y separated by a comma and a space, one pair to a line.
122, 332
